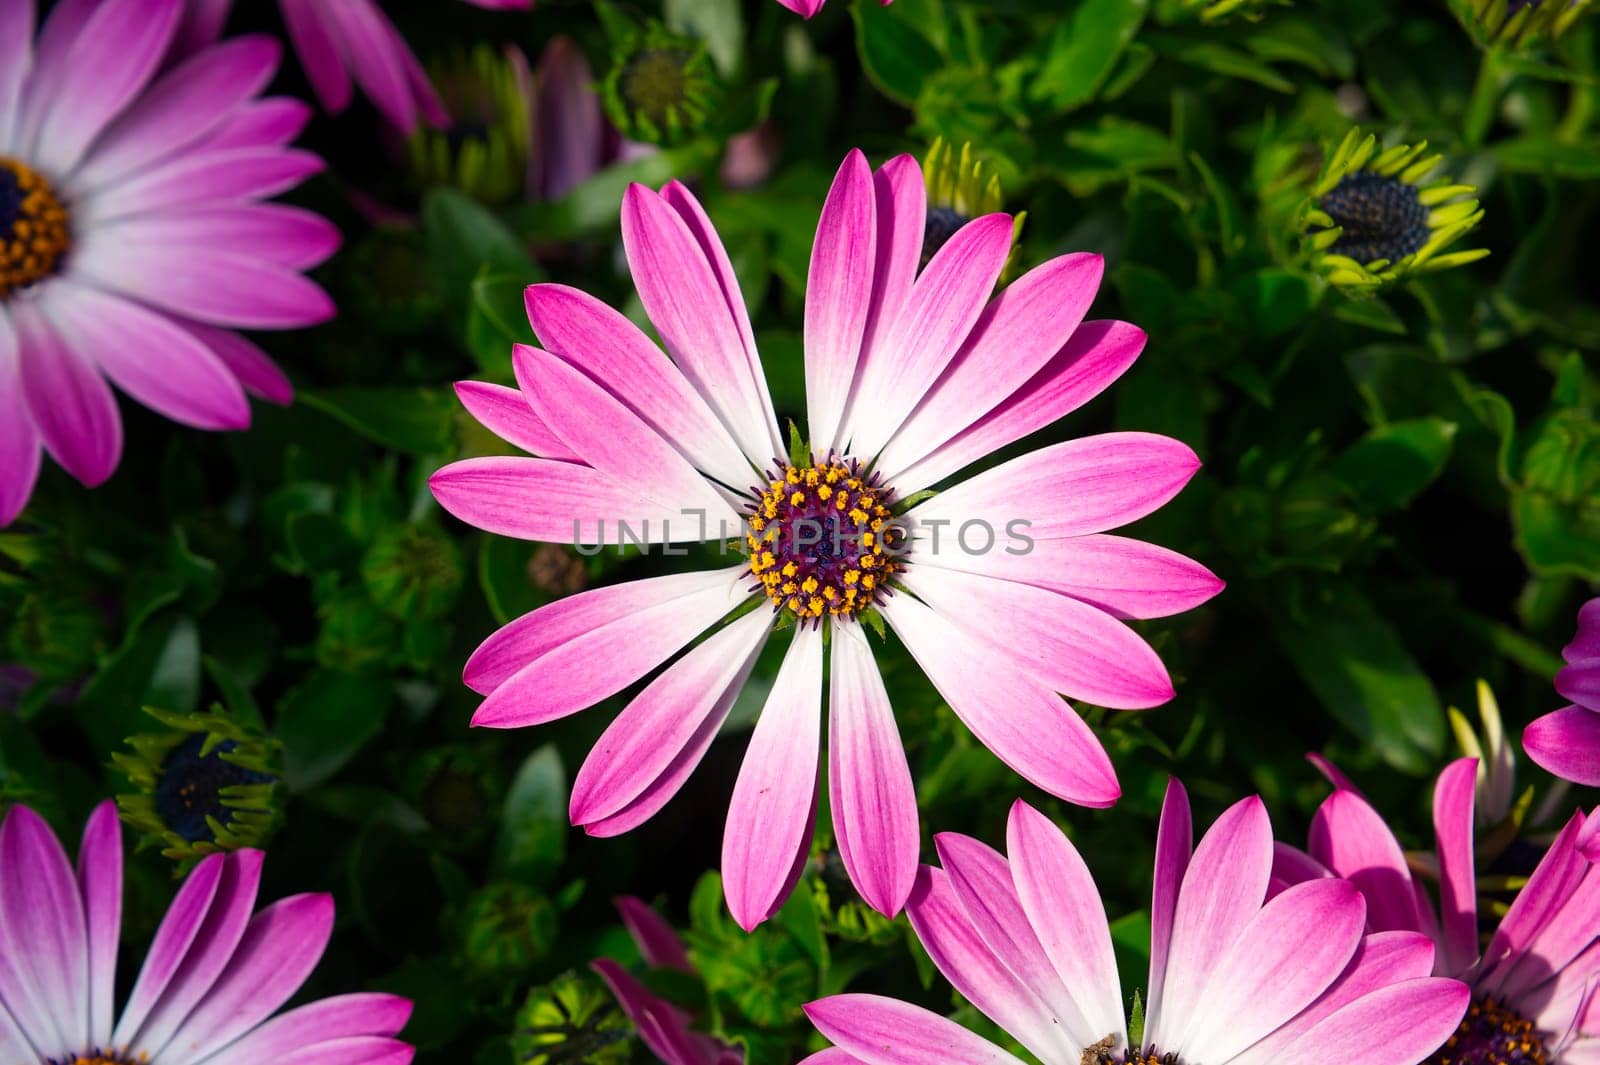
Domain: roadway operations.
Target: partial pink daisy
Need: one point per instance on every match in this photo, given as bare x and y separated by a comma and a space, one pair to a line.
341, 42
1567, 741
666, 1028
1533, 984
1237, 975
909, 379
811, 7
133, 239
209, 987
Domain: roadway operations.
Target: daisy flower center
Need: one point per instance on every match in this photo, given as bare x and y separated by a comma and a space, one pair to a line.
655, 82
1382, 217
33, 227
100, 1057
1491, 1034
189, 794
1101, 1053
822, 540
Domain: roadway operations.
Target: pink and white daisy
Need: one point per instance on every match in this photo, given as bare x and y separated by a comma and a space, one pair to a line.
209, 987
665, 1027
345, 42
811, 7
1235, 976
1567, 741
910, 378
133, 239
1533, 984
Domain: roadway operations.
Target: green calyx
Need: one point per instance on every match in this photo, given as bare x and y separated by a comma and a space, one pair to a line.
961, 186
484, 151
661, 87
571, 1021
1515, 23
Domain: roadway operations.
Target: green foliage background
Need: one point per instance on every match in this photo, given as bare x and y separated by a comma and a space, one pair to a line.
1401, 491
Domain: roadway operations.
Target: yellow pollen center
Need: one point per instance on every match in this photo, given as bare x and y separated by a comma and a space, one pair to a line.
822, 541
33, 227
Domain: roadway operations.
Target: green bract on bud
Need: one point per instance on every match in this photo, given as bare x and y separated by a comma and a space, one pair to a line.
413, 571
456, 790
572, 1020
204, 782
484, 150
1518, 22
56, 632
506, 929
661, 87
961, 187
1497, 761
355, 633
1375, 217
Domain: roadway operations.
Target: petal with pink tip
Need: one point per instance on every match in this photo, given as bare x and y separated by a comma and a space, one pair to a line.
901, 197
507, 413
1349, 837
1174, 847
1406, 1021
19, 440
1566, 742
351, 1050
1063, 906
1554, 879
1006, 709
1291, 866
1586, 642
43, 938
978, 973
318, 51
100, 884
71, 405
317, 1024
769, 816
944, 305
16, 44
869, 783
1020, 330
290, 237
267, 123
190, 180
1124, 577
254, 368
577, 667
1453, 803
672, 720
657, 942
1081, 486
1076, 649
571, 125
1580, 682
1096, 355
883, 1031
1222, 891
839, 296
374, 54
185, 917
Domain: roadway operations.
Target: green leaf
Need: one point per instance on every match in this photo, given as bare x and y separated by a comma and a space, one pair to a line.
326, 720
1220, 59
895, 54
417, 421
1392, 464
719, 23
497, 319
533, 827
1352, 658
1544, 155
1087, 45
591, 206
463, 237
1275, 300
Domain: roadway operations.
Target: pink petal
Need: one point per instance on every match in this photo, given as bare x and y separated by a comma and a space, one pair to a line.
1564, 937
1222, 891
374, 53
1333, 773
52, 49
160, 364
1458, 890
182, 107
200, 28
663, 1027
1566, 742
19, 440
43, 939
319, 53
701, 321
200, 940
352, 1050
579, 658
100, 884
1081, 486
290, 237
1289, 953
978, 973
1406, 1021
1580, 682
1063, 906
883, 1031
254, 368
269, 123
1586, 642
218, 287
1096, 355
558, 503
16, 42
1174, 847
317, 1024
1125, 578
839, 296
1006, 710
604, 344
668, 724
943, 307
571, 124
1291, 866
983, 885
1020, 330
769, 816
280, 947
223, 175
1349, 837
71, 405
657, 942
869, 783
902, 210
611, 438
1076, 649
1553, 881
507, 413
113, 58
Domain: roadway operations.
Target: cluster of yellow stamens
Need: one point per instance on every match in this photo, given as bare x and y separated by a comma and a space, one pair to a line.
106, 1057
1491, 1034
33, 227
821, 540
